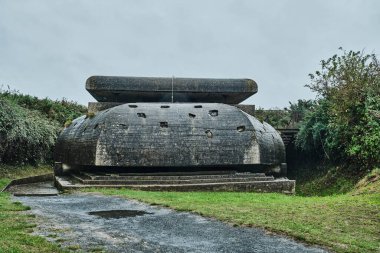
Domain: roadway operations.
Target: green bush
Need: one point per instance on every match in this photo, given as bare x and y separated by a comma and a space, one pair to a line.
26, 137
29, 126
289, 117
59, 110
344, 125
278, 118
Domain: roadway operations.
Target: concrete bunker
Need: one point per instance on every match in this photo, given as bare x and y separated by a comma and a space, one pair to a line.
145, 125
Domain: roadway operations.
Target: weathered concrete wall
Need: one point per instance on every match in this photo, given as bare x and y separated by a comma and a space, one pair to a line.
94, 107
156, 89
180, 135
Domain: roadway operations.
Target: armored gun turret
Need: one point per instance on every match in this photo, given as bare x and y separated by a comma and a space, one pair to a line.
170, 125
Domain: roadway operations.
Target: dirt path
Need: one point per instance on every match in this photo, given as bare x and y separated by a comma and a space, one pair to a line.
67, 219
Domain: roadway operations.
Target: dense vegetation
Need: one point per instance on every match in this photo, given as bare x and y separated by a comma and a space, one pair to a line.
343, 125
288, 117
338, 141
29, 126
59, 110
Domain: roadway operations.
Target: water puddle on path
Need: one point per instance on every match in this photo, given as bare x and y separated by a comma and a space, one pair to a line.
118, 214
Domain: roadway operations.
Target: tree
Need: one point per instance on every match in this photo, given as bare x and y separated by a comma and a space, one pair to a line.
299, 110
346, 119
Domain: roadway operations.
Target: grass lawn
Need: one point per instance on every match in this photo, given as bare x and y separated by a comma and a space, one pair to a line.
344, 223
16, 226
8, 172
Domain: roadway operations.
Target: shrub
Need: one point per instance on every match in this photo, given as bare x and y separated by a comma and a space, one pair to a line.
59, 110
29, 126
345, 123
289, 117
26, 137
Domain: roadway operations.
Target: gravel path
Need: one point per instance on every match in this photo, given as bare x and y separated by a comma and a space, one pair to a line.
66, 219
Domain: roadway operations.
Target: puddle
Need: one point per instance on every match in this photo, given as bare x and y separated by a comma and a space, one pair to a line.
118, 214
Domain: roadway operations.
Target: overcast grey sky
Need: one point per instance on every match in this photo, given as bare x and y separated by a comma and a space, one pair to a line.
49, 48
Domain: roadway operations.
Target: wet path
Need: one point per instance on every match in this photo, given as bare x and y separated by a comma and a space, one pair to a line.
150, 229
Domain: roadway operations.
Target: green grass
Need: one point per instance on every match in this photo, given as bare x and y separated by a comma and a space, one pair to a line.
344, 223
15, 225
13, 172
324, 180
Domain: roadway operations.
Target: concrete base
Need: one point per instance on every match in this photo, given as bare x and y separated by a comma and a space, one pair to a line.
42, 185
34, 189
236, 182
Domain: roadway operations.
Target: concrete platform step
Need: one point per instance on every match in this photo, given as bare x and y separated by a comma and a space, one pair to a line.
282, 185
34, 189
165, 176
139, 181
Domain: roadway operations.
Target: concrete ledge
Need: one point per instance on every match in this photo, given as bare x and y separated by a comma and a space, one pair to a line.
29, 180
283, 185
34, 189
168, 176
